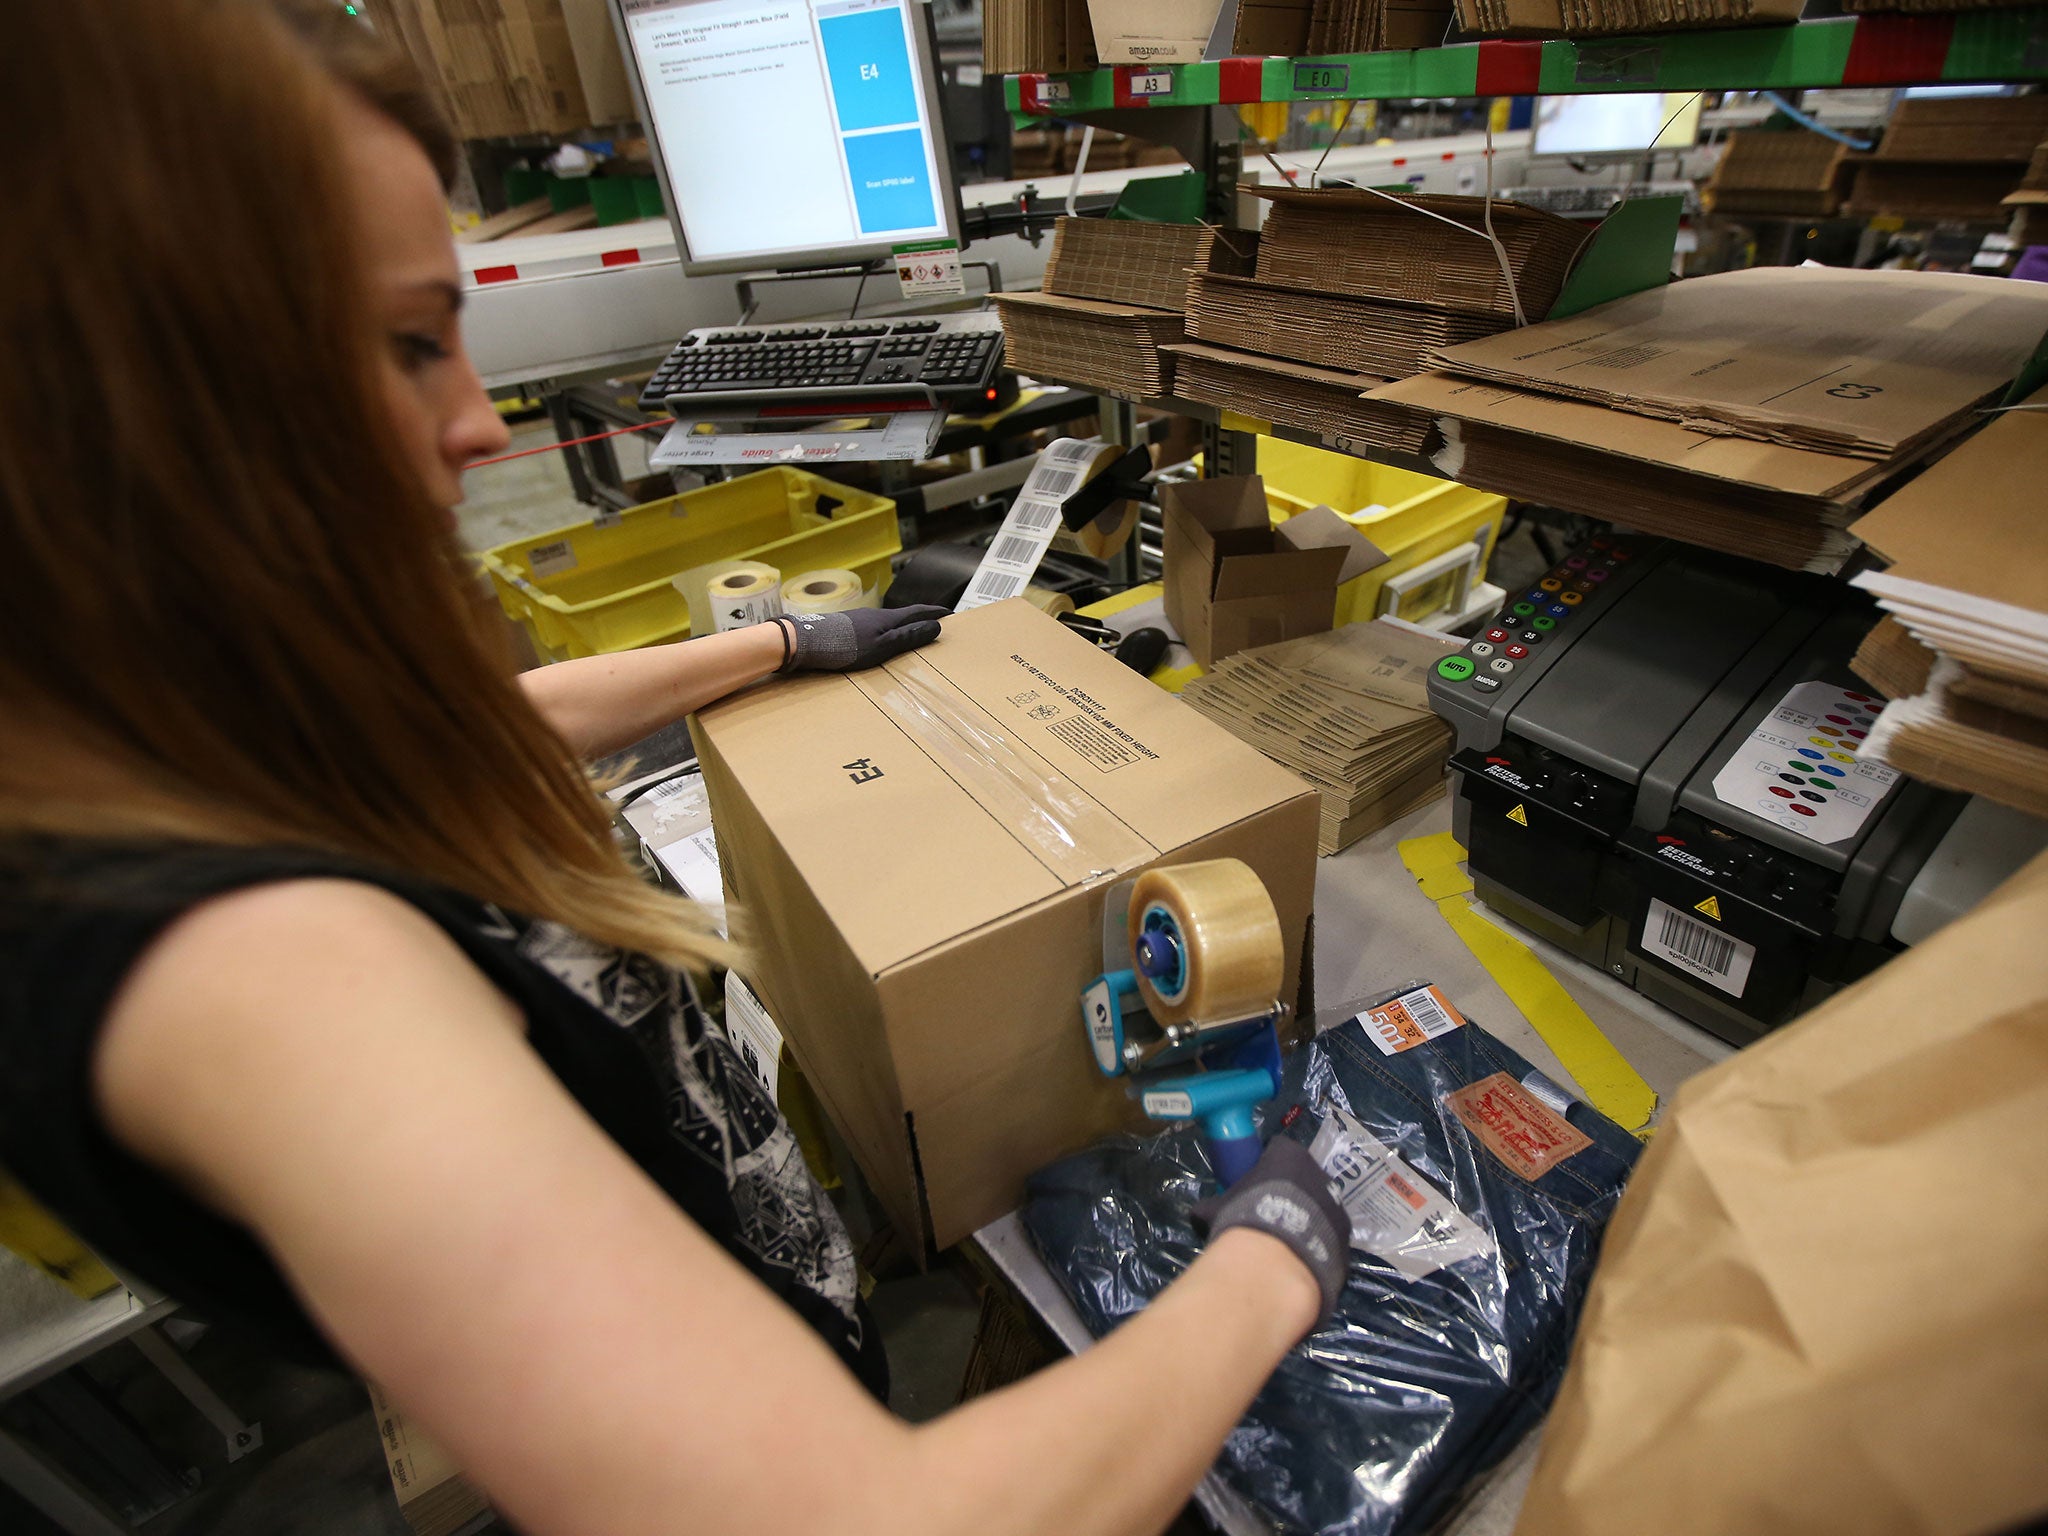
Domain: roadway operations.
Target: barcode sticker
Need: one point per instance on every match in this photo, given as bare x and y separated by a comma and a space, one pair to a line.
1033, 515
1697, 948
991, 587
546, 560
1404, 1022
1058, 483
1014, 551
1396, 1214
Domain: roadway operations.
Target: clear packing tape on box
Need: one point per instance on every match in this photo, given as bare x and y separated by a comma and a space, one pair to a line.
1071, 834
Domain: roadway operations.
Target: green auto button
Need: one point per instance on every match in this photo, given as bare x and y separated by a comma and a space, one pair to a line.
1456, 668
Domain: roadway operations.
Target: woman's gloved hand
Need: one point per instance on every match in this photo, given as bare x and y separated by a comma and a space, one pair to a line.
1288, 1196
859, 637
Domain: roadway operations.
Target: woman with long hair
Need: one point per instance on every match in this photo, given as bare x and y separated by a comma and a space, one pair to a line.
326, 1002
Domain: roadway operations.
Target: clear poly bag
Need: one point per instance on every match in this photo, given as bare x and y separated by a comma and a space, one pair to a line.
1478, 1192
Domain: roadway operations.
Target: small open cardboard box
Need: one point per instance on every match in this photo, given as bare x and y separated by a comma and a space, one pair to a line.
924, 852
1234, 581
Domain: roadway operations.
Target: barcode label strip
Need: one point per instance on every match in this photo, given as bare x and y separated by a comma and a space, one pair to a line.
1697, 949
1024, 552
1057, 483
1423, 1009
1033, 516
994, 586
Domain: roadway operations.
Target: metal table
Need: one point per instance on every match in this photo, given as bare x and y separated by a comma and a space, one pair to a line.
1373, 930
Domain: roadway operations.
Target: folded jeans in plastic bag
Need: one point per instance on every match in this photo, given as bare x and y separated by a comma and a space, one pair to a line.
1478, 1191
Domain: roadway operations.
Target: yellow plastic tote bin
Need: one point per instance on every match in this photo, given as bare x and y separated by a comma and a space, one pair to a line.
1438, 534
604, 585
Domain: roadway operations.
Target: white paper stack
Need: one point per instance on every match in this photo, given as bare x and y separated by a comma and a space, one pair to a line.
1965, 651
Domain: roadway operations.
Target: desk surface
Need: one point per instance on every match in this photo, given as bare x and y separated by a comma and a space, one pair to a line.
1374, 929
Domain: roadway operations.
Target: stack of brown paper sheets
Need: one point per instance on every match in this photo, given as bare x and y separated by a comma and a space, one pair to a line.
1964, 651
1122, 261
1020, 37
1111, 299
1389, 341
1868, 364
1580, 18
1786, 506
1116, 347
1791, 175
1348, 711
1328, 404
1285, 27
1352, 289
1341, 240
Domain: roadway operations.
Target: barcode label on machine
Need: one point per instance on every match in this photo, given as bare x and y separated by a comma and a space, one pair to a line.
1697, 948
1056, 483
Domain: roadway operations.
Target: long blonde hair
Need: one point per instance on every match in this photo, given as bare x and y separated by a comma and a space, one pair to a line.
230, 612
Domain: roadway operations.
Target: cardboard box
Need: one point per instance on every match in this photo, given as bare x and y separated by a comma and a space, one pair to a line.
1778, 174
924, 851
1232, 579
1582, 18
1152, 31
1125, 261
1981, 129
1036, 37
432, 1493
1905, 189
600, 67
500, 70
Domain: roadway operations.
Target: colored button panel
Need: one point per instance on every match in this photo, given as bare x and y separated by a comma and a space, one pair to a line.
1523, 610
1501, 665
1829, 768
1479, 648
1496, 634
1515, 652
1571, 599
1455, 668
1805, 810
1486, 684
1544, 624
1556, 610
1552, 584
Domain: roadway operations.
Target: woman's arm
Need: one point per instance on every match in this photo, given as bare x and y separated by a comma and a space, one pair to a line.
476, 1244
600, 704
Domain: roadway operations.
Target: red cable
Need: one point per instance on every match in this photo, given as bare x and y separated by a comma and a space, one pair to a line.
506, 458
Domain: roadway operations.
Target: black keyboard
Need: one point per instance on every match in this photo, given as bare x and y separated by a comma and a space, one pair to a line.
957, 355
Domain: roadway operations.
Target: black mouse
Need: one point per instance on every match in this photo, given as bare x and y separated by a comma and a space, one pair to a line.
1141, 650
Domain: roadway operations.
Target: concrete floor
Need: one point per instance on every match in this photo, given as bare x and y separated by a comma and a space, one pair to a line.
321, 1471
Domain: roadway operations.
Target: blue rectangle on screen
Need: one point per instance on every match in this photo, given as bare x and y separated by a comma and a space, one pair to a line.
869, 62
891, 190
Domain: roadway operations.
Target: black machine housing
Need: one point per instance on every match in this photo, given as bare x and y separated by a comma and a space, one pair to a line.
1593, 719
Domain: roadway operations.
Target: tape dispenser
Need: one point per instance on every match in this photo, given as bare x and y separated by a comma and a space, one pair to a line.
1188, 1004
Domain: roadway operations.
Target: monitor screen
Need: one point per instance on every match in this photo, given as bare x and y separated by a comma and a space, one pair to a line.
1614, 125
790, 133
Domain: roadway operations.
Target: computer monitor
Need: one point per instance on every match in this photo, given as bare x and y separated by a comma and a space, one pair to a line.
791, 133
1616, 125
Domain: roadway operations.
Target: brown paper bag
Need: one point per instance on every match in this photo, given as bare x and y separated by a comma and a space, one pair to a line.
1823, 1304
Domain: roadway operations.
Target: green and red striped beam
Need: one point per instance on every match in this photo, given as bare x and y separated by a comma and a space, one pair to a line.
1846, 51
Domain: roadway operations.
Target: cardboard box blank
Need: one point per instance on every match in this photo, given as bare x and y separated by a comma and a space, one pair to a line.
501, 70
433, 1495
1232, 579
924, 852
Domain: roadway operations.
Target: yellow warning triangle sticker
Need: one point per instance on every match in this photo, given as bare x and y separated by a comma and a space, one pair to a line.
1519, 816
1711, 906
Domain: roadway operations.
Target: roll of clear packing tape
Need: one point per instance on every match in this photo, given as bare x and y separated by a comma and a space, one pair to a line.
730, 594
1054, 603
1207, 943
825, 592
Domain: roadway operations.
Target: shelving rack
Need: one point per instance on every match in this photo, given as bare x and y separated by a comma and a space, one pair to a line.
1191, 107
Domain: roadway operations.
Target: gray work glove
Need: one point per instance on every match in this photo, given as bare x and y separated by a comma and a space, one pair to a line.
1288, 1196
859, 637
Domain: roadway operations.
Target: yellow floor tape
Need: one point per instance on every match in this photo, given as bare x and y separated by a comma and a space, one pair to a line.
1603, 1074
